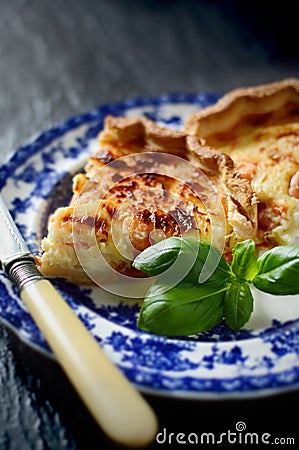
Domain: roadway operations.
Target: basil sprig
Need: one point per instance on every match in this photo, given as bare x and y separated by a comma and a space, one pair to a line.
179, 303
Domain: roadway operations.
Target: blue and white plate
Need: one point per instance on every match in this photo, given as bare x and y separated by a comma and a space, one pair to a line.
261, 359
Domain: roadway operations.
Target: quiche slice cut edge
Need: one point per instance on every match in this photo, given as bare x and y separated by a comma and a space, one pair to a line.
258, 127
145, 183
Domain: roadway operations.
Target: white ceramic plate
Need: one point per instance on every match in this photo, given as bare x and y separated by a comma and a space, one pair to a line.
261, 359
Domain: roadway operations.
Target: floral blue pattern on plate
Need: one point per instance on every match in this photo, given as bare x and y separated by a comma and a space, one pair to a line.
261, 359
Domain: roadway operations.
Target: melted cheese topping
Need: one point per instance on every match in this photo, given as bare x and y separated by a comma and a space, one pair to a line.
268, 156
140, 188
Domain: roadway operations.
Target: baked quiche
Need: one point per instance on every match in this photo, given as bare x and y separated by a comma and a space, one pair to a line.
258, 127
145, 183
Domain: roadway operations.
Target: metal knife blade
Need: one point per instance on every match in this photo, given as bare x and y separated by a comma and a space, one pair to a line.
12, 243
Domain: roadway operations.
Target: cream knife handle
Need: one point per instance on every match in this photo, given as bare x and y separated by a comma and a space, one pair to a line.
116, 405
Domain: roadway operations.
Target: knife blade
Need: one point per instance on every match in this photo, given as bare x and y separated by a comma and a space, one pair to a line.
13, 245
119, 408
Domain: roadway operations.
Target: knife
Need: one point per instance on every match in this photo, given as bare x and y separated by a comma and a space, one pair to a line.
119, 409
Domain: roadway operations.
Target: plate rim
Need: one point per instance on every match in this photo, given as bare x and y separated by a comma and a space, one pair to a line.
45, 137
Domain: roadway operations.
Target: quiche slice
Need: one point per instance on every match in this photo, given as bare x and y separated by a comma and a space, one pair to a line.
145, 183
258, 127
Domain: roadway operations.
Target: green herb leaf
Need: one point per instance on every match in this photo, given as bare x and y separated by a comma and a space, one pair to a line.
278, 271
157, 258
195, 286
188, 259
183, 310
244, 262
238, 304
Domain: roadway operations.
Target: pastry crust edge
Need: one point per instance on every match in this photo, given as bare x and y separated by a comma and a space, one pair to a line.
239, 104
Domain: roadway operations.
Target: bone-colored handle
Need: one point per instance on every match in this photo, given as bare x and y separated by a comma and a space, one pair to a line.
117, 406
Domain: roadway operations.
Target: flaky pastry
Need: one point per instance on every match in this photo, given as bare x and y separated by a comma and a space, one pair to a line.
146, 183
258, 127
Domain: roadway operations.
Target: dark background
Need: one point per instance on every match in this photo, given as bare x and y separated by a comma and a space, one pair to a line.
63, 58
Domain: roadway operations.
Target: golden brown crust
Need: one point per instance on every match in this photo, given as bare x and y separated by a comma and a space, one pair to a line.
142, 134
148, 136
258, 127
254, 105
178, 196
241, 201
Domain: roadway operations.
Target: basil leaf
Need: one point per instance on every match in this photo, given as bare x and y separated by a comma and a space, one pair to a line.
210, 266
278, 271
159, 257
244, 262
181, 311
186, 257
238, 304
